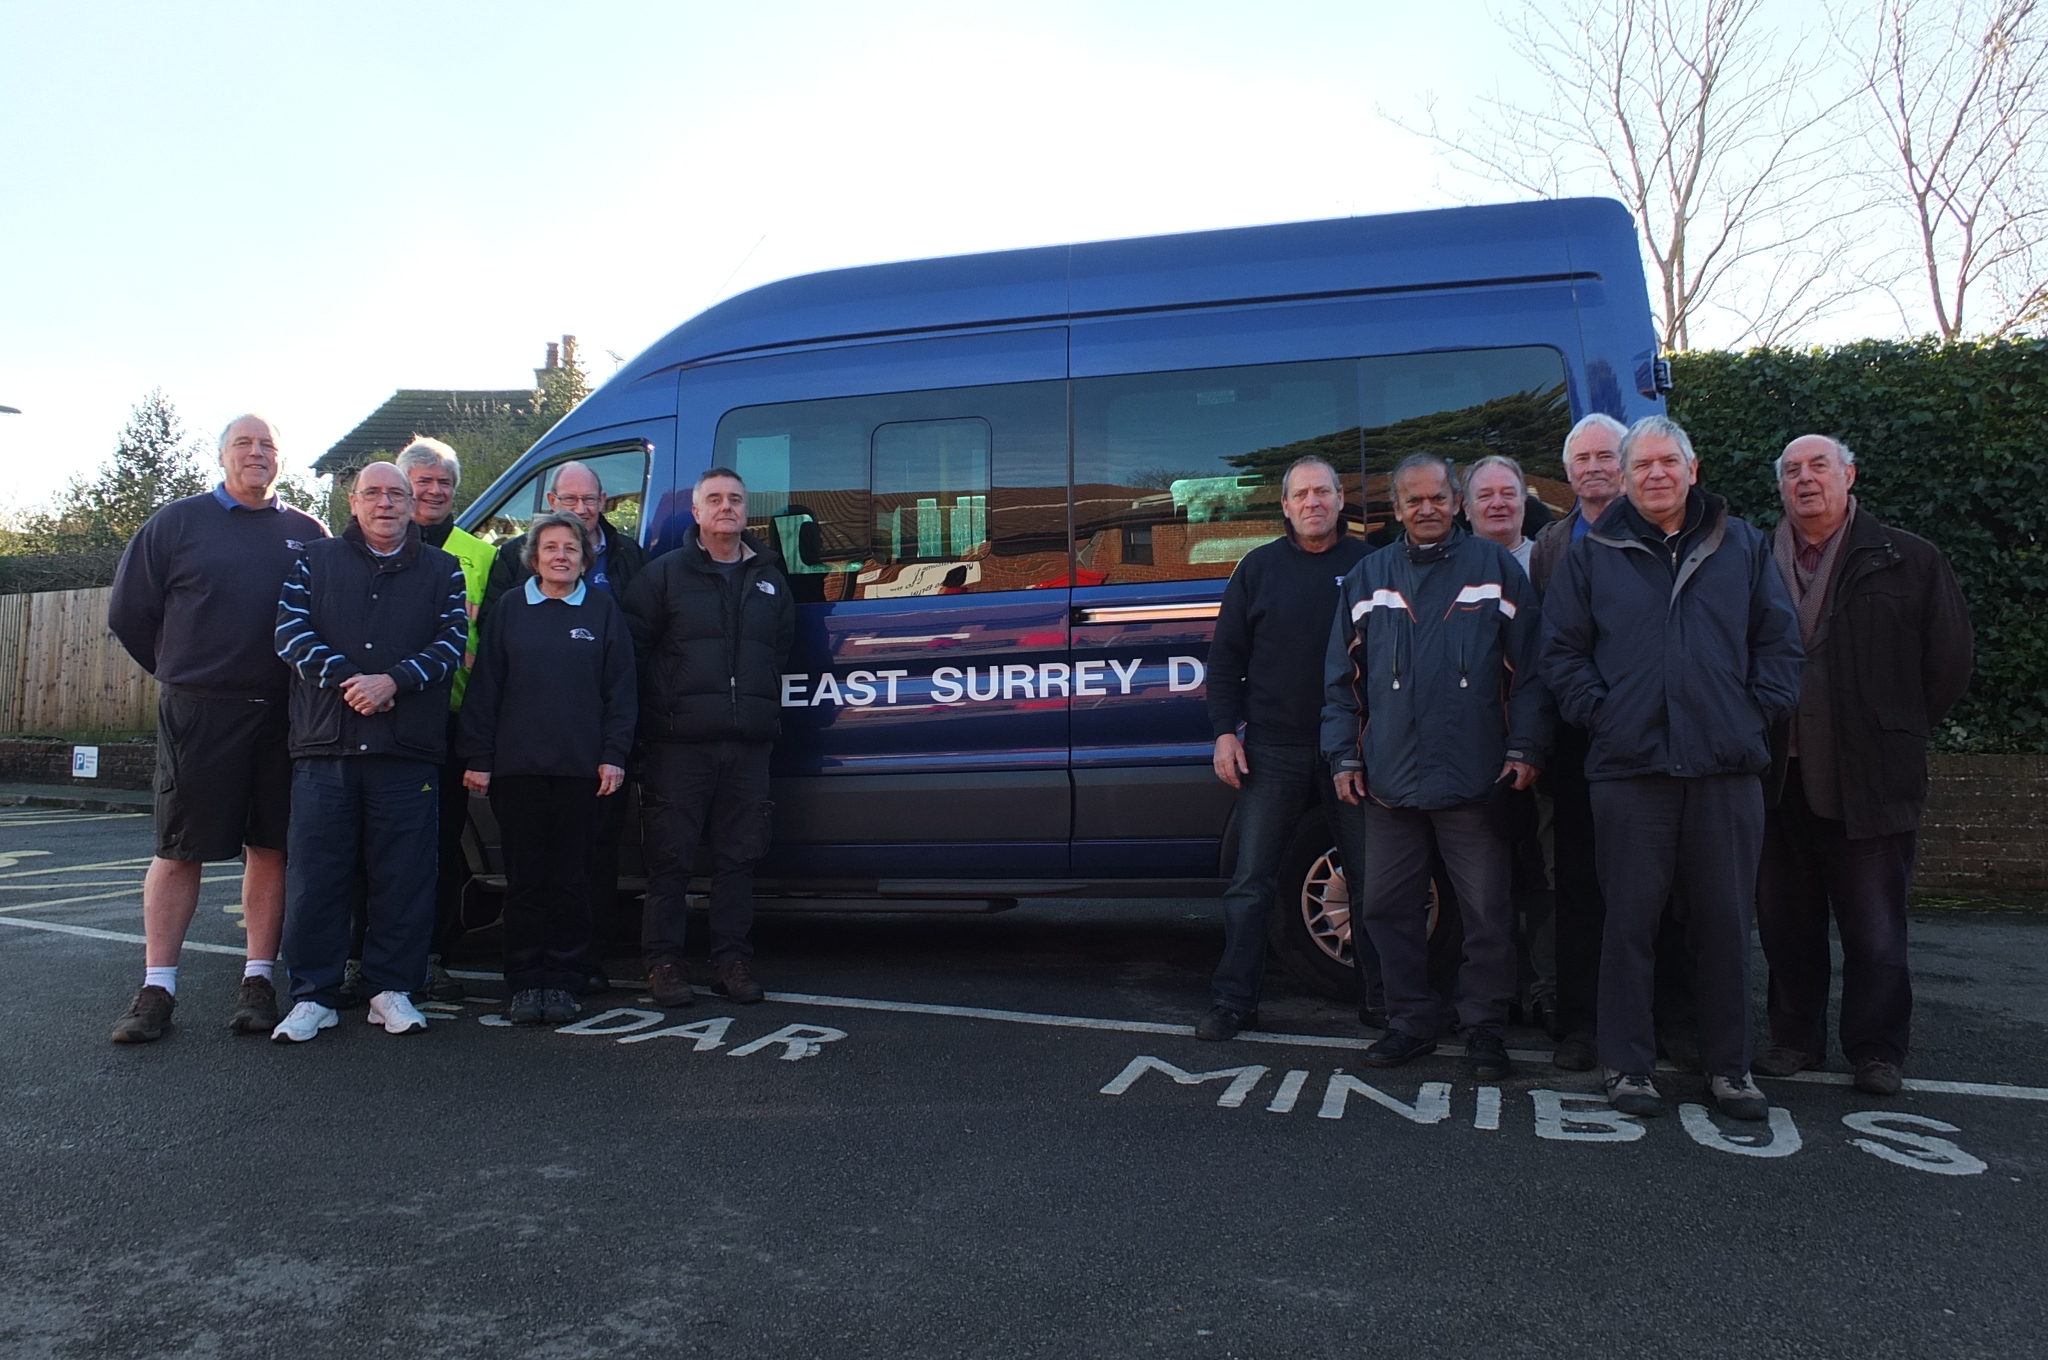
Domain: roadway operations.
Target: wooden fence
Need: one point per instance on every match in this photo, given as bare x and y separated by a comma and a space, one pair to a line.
61, 671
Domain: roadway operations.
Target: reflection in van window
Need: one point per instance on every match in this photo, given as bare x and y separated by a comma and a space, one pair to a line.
621, 469
948, 492
1176, 475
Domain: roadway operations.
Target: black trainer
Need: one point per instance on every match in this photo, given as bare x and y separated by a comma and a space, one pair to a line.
557, 1007
1486, 1056
526, 1008
1224, 1023
1395, 1048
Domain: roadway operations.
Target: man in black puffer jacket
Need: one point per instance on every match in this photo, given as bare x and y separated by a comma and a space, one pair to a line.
712, 625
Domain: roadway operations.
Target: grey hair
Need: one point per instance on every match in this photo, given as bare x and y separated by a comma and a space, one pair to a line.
1312, 460
221, 444
1598, 420
708, 473
1416, 461
553, 519
1499, 460
424, 452
1842, 451
1658, 427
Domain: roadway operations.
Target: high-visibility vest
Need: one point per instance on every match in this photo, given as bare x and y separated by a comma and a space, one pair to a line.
476, 557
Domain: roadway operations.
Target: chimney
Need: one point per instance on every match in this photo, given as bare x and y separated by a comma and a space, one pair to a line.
554, 355
568, 351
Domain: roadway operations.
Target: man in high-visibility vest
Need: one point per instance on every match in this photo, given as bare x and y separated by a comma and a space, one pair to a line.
435, 471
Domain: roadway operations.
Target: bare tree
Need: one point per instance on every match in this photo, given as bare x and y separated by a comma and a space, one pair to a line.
1953, 105
1710, 133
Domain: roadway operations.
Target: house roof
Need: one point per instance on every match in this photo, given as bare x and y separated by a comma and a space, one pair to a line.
410, 411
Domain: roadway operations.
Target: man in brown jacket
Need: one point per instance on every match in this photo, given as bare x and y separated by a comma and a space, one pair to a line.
1888, 651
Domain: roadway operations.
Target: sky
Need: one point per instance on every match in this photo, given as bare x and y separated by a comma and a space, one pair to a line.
298, 209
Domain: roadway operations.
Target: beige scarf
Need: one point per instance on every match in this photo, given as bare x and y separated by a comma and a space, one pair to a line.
1809, 593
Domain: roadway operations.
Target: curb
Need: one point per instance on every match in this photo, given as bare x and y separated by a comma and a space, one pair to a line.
78, 802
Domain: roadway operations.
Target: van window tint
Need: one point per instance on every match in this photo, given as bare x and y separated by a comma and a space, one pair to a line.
915, 493
1176, 475
621, 470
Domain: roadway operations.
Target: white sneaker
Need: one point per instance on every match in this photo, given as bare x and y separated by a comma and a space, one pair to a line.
396, 1013
307, 1019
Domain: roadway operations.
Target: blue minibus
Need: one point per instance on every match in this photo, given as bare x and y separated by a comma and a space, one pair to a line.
1008, 490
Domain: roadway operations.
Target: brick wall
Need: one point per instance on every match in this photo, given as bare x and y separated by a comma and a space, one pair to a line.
1987, 824
123, 765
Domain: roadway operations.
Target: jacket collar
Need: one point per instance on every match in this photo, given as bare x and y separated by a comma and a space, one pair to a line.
753, 552
1422, 555
534, 596
407, 554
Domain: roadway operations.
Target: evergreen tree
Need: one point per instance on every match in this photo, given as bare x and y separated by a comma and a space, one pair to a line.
154, 463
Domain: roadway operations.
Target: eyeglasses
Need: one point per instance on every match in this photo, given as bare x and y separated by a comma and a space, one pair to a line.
386, 495
578, 502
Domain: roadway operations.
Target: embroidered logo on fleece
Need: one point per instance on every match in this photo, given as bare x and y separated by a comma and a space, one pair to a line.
765, 587
582, 635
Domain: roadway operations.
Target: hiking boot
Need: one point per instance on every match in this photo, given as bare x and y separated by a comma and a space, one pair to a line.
255, 1007
1576, 1053
1224, 1023
1738, 1097
440, 986
526, 1007
669, 986
1876, 1077
351, 994
1486, 1056
557, 1007
732, 979
1633, 1094
307, 1019
147, 1018
1394, 1048
1780, 1061
396, 1013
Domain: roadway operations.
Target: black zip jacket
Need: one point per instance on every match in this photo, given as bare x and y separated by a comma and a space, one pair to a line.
345, 611
1431, 673
553, 691
711, 649
1266, 660
1899, 651
1674, 653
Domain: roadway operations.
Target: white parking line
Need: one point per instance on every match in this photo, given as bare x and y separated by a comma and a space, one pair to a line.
862, 1003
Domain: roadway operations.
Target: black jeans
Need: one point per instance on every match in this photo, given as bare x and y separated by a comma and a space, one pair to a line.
1284, 783
453, 866
1398, 845
608, 821
1581, 912
690, 789
366, 819
1706, 835
544, 824
1810, 864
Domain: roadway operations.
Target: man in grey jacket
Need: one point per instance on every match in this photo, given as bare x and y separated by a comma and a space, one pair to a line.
1670, 639
1432, 700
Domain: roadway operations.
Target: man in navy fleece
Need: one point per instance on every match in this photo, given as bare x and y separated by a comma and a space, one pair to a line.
195, 603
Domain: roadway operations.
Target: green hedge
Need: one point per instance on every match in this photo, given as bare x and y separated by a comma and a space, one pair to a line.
1951, 443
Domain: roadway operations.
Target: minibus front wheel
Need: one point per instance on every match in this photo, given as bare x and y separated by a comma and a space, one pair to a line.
1310, 926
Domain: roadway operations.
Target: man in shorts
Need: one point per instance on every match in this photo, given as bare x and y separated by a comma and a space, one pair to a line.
195, 603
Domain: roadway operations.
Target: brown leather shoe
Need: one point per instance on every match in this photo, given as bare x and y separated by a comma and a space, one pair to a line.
733, 979
1876, 1077
255, 1007
668, 986
147, 1019
1780, 1061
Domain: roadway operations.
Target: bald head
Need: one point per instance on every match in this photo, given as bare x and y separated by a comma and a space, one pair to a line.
578, 491
382, 505
1815, 473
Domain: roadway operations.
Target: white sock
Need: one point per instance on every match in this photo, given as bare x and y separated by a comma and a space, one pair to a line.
263, 968
166, 978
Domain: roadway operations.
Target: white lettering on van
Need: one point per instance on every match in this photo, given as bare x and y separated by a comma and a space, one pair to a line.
1016, 677
792, 690
1937, 1156
1432, 1103
995, 678
1174, 665
945, 686
1242, 1079
860, 688
1123, 676
828, 688
1052, 673
1088, 679
892, 677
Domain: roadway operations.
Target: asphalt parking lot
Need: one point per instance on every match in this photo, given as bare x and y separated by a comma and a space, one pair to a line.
985, 1136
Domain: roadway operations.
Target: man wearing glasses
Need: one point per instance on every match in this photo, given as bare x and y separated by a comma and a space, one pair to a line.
616, 559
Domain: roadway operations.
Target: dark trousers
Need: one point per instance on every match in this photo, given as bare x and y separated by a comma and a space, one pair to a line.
1285, 782
1581, 912
1810, 865
1398, 846
378, 812
453, 865
544, 823
1656, 832
601, 874
690, 789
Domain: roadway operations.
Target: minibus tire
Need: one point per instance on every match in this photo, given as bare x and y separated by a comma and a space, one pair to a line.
1314, 946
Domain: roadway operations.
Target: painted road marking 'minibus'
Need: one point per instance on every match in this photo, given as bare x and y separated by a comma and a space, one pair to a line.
1089, 1022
